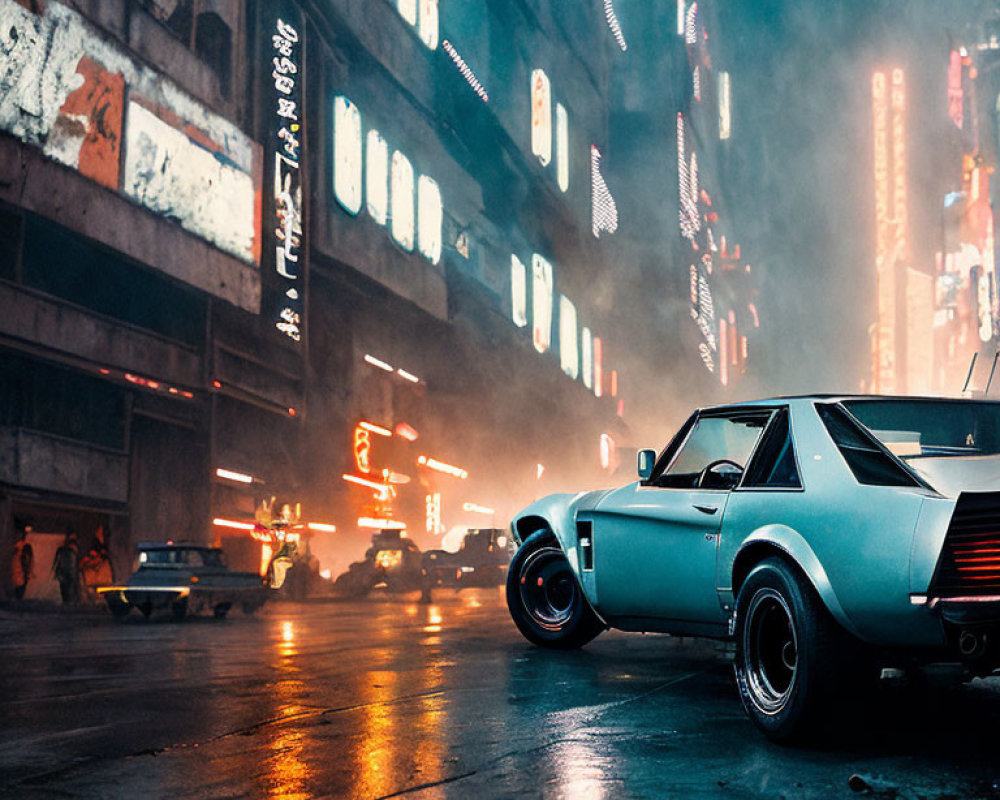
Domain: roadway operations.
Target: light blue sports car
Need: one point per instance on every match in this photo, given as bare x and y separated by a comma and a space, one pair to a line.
828, 536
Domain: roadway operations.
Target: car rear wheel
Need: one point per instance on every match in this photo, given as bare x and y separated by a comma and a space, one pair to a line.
545, 599
792, 658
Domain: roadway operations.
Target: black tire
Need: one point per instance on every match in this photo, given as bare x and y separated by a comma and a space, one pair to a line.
119, 608
544, 598
220, 611
179, 609
794, 662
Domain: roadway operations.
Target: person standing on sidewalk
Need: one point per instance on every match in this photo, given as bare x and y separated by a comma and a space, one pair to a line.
22, 563
65, 569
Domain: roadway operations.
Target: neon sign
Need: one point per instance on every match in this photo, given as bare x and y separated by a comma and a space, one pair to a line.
286, 144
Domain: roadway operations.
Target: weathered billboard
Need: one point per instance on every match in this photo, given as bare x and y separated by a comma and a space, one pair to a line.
89, 105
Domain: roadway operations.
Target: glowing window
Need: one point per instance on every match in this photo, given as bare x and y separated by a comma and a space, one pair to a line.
569, 351
587, 357
429, 23
408, 10
598, 367
562, 147
518, 292
401, 200
347, 154
377, 177
541, 117
541, 302
725, 115
429, 218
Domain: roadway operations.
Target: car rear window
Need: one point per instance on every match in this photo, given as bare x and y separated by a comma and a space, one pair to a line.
868, 461
774, 465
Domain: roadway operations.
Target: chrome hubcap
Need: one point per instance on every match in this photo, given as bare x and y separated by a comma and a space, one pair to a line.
770, 651
547, 587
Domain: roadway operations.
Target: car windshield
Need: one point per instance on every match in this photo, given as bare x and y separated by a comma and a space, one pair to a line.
931, 428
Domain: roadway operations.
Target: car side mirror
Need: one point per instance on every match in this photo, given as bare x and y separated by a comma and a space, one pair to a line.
647, 460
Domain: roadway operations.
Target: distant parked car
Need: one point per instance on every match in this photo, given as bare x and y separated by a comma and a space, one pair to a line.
184, 579
826, 536
481, 560
393, 562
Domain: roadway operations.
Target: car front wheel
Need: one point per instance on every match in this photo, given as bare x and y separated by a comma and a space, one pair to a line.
545, 599
791, 655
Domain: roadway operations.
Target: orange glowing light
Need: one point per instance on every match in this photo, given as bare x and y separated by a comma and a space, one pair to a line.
406, 431
323, 527
362, 449
216, 384
380, 523
373, 428
441, 466
232, 523
387, 559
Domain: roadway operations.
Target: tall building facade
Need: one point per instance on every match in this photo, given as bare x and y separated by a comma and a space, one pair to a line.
339, 253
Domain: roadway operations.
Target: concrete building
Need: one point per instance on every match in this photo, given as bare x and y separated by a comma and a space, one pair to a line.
232, 232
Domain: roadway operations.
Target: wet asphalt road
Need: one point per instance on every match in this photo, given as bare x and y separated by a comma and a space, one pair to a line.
393, 698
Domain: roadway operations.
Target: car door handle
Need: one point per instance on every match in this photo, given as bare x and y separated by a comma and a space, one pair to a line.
706, 509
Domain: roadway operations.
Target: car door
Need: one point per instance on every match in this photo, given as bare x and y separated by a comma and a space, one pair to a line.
655, 543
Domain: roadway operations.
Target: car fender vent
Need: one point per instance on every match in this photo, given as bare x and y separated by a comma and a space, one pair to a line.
585, 540
969, 564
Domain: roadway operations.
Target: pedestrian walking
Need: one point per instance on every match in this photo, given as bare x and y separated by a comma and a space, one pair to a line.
22, 563
65, 569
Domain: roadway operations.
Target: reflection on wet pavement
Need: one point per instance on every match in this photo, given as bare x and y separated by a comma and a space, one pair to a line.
391, 698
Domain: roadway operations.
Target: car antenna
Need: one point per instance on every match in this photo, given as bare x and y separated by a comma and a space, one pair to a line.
996, 355
968, 377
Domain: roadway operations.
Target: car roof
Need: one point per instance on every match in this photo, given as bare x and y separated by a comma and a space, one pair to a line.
836, 398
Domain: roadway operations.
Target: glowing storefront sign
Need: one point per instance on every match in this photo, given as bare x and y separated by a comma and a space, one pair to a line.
373, 428
347, 160
466, 70
401, 201
587, 357
518, 292
541, 117
562, 147
956, 109
381, 488
362, 450
432, 513
377, 362
598, 367
569, 351
380, 523
232, 475
541, 302
430, 216
441, 466
725, 114
604, 210
614, 25
233, 523
408, 10
377, 177
322, 527
428, 24
607, 451
286, 143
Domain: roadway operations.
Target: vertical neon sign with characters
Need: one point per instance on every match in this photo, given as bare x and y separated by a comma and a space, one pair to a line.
285, 125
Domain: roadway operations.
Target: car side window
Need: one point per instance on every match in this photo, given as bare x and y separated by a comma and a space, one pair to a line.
774, 465
870, 463
716, 451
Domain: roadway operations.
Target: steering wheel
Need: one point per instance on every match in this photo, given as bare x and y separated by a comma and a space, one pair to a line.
710, 469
